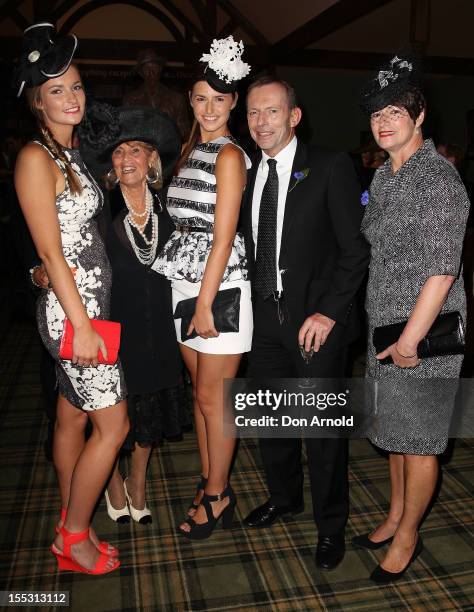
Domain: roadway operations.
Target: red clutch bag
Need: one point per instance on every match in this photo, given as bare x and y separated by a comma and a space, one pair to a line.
110, 332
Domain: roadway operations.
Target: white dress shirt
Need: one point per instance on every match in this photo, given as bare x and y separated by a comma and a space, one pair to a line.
284, 160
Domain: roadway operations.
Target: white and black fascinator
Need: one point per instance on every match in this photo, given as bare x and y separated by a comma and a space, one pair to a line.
225, 67
43, 56
393, 80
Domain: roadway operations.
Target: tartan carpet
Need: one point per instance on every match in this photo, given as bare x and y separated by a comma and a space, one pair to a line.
240, 569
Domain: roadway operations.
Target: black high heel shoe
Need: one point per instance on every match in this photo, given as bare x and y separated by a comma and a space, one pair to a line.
201, 485
201, 531
382, 576
363, 541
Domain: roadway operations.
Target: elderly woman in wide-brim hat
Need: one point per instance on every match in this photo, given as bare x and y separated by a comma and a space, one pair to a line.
140, 147
415, 222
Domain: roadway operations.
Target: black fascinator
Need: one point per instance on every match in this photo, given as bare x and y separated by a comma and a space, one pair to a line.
394, 78
43, 56
225, 67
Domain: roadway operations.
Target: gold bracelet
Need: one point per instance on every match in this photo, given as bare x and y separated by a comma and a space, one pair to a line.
405, 356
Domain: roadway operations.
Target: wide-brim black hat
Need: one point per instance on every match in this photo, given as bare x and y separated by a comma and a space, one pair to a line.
43, 56
105, 127
395, 77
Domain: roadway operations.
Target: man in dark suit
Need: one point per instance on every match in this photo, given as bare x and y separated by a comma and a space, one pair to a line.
307, 258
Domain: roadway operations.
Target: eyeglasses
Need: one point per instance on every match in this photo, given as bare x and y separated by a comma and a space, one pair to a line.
391, 114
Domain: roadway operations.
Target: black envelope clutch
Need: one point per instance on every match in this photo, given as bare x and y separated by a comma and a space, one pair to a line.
225, 310
445, 337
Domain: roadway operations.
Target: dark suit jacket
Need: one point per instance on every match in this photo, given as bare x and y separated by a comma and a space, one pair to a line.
323, 253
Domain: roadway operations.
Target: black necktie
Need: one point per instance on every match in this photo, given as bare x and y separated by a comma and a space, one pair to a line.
265, 261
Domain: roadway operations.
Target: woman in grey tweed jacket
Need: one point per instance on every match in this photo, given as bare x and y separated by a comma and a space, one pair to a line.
415, 223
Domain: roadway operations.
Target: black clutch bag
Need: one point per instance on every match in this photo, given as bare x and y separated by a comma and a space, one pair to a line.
225, 310
445, 337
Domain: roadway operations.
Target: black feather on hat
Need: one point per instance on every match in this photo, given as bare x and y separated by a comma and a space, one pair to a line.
105, 127
394, 78
42, 56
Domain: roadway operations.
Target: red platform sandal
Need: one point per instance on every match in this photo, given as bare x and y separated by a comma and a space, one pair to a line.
103, 547
66, 562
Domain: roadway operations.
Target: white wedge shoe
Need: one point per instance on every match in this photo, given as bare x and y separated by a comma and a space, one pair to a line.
139, 516
119, 515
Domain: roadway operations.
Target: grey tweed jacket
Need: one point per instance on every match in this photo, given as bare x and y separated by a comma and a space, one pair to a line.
415, 223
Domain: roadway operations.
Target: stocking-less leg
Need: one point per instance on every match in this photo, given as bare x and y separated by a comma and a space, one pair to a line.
211, 372
68, 444
93, 467
421, 474
397, 496
190, 358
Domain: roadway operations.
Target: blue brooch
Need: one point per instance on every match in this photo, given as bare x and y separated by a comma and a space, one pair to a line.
364, 198
300, 175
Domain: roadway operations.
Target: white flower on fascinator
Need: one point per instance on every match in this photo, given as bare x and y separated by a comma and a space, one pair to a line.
225, 59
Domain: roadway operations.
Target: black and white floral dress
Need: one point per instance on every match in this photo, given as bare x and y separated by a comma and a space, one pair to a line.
191, 203
85, 387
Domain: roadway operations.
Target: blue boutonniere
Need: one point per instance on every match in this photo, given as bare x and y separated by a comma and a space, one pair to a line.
300, 175
364, 198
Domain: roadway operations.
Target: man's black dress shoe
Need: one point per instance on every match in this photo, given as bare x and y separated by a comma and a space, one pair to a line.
363, 541
330, 551
266, 514
381, 576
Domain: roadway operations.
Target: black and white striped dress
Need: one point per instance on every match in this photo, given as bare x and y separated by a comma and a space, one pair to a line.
191, 202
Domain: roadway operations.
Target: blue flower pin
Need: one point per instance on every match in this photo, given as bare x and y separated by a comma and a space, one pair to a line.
300, 175
364, 198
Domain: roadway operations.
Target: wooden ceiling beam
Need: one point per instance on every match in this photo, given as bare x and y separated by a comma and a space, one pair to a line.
242, 22
420, 24
200, 9
62, 8
229, 27
332, 19
211, 21
18, 18
7, 7
43, 10
187, 52
181, 17
151, 9
350, 60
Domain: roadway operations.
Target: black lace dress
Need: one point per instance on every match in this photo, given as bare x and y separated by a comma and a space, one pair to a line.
158, 403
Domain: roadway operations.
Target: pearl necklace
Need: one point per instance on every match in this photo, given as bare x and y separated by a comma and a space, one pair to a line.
148, 204
145, 255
